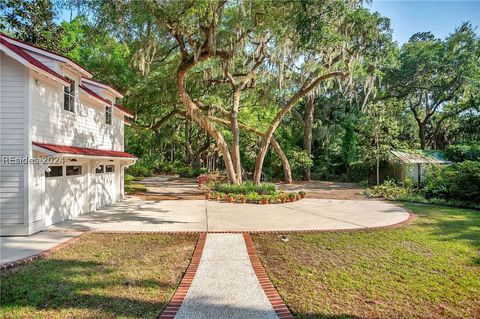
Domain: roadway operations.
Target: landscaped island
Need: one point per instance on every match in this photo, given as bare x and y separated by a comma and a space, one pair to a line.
248, 192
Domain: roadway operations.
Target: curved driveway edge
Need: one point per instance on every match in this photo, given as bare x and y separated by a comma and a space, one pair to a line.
211, 216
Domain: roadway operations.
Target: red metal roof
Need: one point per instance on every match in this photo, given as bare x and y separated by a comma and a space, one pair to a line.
62, 149
124, 110
83, 87
31, 59
51, 52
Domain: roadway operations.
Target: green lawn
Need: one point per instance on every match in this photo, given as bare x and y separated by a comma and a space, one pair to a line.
101, 276
429, 269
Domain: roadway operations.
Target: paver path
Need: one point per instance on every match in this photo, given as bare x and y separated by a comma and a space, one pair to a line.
225, 285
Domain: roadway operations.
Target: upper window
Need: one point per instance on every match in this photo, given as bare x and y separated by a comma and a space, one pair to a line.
108, 113
69, 96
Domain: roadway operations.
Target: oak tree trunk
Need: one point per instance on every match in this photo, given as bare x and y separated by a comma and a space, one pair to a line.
195, 114
421, 135
236, 137
307, 133
278, 118
287, 172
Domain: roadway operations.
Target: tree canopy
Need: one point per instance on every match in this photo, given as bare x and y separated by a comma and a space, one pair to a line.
214, 84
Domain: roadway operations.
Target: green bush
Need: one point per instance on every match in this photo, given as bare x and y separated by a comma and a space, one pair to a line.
459, 181
128, 179
389, 190
252, 197
140, 168
463, 152
245, 188
451, 185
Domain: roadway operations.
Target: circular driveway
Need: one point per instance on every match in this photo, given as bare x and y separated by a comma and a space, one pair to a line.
201, 215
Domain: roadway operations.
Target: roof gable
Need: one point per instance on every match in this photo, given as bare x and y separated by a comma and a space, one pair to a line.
29, 61
47, 53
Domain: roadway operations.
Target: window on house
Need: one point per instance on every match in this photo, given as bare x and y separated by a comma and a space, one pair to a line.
55, 171
108, 113
99, 169
74, 170
110, 168
69, 97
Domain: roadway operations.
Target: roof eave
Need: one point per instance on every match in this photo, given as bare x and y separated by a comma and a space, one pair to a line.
48, 53
29, 65
104, 86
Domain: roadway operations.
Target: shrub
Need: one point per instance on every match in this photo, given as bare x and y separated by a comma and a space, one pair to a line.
128, 179
140, 168
252, 197
240, 198
460, 181
389, 190
282, 196
463, 152
453, 185
245, 188
185, 171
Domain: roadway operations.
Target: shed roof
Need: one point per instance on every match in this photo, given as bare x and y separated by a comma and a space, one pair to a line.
419, 157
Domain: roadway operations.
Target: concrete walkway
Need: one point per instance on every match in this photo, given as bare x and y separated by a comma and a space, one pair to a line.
13, 248
225, 285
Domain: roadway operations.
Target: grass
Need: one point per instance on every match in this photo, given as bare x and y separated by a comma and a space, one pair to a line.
429, 269
135, 188
101, 276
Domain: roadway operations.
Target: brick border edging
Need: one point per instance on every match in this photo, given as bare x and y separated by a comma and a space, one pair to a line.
40, 255
179, 296
271, 292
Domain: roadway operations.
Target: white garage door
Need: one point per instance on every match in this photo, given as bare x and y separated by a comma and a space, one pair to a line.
65, 196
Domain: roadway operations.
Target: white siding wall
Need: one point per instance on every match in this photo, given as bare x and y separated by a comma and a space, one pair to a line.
85, 127
13, 100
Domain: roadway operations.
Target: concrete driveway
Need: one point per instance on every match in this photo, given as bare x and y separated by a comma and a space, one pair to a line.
201, 215
136, 214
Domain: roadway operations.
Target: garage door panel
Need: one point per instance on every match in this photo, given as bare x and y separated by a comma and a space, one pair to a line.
65, 198
53, 200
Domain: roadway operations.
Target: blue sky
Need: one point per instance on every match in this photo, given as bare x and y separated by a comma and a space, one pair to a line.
439, 17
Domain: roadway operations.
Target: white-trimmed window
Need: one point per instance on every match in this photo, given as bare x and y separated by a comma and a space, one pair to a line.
109, 168
55, 171
100, 169
73, 170
108, 113
69, 96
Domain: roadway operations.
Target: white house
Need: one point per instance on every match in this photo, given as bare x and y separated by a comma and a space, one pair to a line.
61, 140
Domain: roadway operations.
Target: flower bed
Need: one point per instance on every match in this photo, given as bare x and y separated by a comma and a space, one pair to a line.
264, 193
